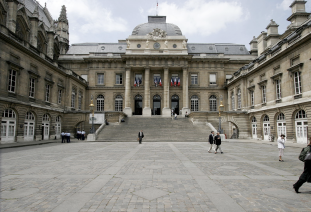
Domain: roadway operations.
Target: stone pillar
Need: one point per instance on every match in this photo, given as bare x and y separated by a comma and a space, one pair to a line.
12, 14
166, 111
34, 27
147, 109
185, 92
127, 109
50, 48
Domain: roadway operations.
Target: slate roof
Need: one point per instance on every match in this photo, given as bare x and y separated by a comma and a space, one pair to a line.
31, 5
217, 48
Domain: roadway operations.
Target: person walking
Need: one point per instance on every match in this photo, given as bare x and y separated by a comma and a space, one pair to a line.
281, 146
211, 141
306, 174
79, 135
63, 137
140, 136
175, 116
68, 137
218, 143
83, 135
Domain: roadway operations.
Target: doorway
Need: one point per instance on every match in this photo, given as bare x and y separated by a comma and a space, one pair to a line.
175, 104
138, 105
156, 105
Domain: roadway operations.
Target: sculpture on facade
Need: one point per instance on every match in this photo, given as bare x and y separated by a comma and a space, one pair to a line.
157, 34
128, 43
166, 44
147, 44
184, 44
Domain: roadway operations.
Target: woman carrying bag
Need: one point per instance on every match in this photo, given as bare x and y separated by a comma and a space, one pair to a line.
305, 156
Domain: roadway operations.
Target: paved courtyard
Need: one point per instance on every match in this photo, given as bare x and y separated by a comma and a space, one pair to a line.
163, 176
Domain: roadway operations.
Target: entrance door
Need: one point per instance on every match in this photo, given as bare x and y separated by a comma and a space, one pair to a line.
266, 131
138, 105
302, 132
29, 131
8, 126
254, 127
58, 127
46, 127
156, 105
175, 104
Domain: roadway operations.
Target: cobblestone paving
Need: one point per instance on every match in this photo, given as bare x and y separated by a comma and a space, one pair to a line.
159, 176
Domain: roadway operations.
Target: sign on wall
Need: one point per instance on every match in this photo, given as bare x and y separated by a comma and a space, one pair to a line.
98, 118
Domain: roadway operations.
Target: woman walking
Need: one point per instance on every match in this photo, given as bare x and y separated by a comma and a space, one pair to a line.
306, 174
281, 146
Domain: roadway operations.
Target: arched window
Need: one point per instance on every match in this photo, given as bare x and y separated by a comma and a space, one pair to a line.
239, 99
21, 28
58, 119
100, 102
194, 103
119, 103
281, 124
266, 118
29, 116
301, 114
281, 117
46, 118
8, 113
41, 44
232, 101
254, 120
213, 103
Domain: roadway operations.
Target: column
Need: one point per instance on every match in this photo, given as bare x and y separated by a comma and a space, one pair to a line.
50, 47
12, 14
166, 111
185, 92
127, 109
147, 109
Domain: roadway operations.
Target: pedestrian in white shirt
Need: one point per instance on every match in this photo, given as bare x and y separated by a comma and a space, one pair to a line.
281, 145
63, 137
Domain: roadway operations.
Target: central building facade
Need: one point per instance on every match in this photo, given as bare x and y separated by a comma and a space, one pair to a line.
156, 71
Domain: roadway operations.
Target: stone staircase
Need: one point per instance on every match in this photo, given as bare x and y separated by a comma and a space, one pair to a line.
155, 129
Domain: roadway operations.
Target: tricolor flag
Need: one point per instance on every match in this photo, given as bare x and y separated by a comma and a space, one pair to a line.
135, 82
160, 82
175, 81
178, 82
155, 81
171, 81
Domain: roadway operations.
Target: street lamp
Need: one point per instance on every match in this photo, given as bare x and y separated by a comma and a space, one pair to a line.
221, 109
92, 110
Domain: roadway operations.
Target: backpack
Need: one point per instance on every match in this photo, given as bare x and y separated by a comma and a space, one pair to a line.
303, 153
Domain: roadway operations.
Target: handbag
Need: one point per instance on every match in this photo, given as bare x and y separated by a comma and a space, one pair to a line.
308, 156
137, 139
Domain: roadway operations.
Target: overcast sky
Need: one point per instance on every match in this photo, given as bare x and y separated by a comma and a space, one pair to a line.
201, 21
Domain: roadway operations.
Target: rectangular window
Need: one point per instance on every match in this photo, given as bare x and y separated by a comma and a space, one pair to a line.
59, 96
138, 79
194, 79
212, 79
119, 79
297, 82
47, 93
264, 94
12, 81
31, 87
100, 79
278, 89
252, 98
73, 98
80, 101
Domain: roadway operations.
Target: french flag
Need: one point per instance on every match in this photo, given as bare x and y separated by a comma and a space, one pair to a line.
155, 82
171, 81
160, 82
175, 82
135, 82
178, 82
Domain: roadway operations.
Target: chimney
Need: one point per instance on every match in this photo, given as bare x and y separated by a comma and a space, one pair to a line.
299, 14
262, 43
273, 33
254, 47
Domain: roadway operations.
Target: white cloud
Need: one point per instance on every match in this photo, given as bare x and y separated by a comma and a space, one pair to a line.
285, 4
85, 16
202, 17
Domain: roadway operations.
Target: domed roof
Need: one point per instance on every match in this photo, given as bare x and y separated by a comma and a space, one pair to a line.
157, 22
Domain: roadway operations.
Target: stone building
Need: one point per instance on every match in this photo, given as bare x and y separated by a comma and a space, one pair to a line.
153, 72
36, 93
274, 90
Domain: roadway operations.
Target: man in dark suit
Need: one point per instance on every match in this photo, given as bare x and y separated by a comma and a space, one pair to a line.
211, 140
140, 136
218, 143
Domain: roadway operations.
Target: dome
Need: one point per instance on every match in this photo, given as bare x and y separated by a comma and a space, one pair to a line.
157, 22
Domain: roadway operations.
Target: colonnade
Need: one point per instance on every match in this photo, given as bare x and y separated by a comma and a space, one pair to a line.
166, 111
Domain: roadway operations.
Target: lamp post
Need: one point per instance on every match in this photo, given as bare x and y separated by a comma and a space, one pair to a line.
92, 110
221, 109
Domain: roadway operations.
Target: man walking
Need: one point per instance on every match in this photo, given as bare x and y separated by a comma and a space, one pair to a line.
218, 143
211, 141
83, 135
140, 136
68, 137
